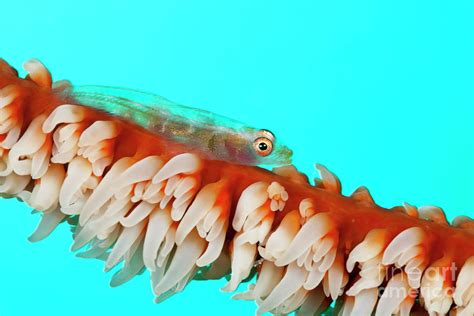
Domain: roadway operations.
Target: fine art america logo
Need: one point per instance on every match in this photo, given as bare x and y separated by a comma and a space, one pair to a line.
437, 281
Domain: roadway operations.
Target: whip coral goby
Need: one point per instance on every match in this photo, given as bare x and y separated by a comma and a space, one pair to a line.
142, 198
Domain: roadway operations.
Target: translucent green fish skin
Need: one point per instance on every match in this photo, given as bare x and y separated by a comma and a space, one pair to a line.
217, 137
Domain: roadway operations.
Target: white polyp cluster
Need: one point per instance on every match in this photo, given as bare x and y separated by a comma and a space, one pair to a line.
209, 216
119, 189
45, 194
147, 213
300, 257
96, 144
199, 239
362, 303
436, 289
408, 251
398, 297
72, 137
31, 154
362, 296
18, 162
176, 183
133, 208
278, 196
253, 220
127, 197
10, 116
315, 303
12, 184
464, 293
65, 142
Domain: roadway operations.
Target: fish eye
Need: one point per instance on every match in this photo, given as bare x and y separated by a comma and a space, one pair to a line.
263, 146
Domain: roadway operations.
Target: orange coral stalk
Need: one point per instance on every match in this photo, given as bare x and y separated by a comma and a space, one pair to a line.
138, 197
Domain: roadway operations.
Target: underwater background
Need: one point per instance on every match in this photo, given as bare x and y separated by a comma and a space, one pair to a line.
381, 92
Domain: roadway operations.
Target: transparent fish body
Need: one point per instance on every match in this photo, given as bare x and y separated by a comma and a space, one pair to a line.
215, 136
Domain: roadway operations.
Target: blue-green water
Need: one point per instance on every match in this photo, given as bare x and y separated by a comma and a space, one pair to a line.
382, 92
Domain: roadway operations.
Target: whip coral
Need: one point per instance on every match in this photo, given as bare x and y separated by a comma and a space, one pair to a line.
144, 197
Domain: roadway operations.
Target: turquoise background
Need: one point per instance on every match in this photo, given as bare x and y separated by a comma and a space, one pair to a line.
381, 92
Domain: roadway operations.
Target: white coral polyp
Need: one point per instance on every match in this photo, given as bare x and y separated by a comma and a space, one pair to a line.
31, 154
278, 196
10, 116
78, 185
308, 255
464, 292
253, 221
97, 145
65, 142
